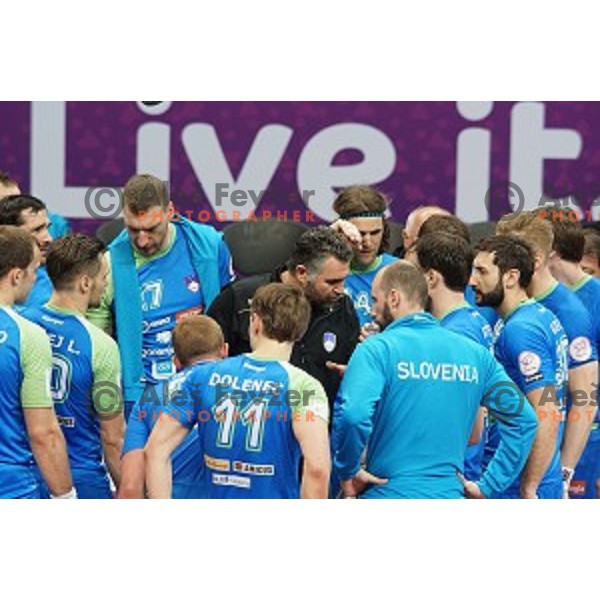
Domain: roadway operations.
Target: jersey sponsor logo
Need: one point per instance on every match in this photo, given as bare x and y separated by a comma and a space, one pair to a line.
362, 302
163, 369
3, 336
68, 422
435, 371
580, 349
529, 363
192, 283
231, 480
148, 325
190, 312
164, 337
577, 488
329, 341
152, 293
217, 464
242, 467
52, 320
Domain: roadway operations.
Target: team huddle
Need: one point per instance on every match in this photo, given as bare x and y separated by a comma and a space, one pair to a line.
446, 369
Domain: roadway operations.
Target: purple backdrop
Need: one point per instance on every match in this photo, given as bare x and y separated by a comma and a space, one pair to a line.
102, 140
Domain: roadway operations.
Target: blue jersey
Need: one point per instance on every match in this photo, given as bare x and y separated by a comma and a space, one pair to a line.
588, 467
577, 323
82, 355
24, 384
413, 392
487, 312
59, 226
467, 321
187, 461
244, 408
358, 287
532, 347
170, 290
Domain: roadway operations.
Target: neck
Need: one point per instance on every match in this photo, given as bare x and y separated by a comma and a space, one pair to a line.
7, 297
541, 281
443, 302
69, 301
287, 277
568, 273
267, 348
512, 299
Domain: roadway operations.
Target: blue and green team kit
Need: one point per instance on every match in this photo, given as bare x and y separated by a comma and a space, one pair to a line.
187, 460
577, 324
82, 356
358, 286
244, 408
587, 473
24, 384
468, 321
412, 392
532, 347
170, 290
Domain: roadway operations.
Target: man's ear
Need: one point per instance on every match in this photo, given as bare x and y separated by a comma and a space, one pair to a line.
15, 277
510, 279
225, 350
432, 278
177, 363
301, 274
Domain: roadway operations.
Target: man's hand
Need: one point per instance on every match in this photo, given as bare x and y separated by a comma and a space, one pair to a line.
340, 369
348, 230
529, 493
369, 329
472, 491
358, 484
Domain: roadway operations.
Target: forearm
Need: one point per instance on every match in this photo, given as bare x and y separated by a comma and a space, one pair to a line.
542, 451
50, 452
159, 478
112, 457
577, 431
582, 386
315, 482
133, 469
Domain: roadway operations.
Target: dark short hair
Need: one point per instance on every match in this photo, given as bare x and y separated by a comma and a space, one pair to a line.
450, 224
405, 277
569, 241
592, 243
197, 335
316, 245
451, 256
358, 199
510, 252
144, 192
12, 207
16, 249
71, 256
283, 310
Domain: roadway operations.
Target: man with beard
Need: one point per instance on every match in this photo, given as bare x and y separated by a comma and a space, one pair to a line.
446, 261
318, 266
578, 408
86, 372
532, 347
362, 220
412, 392
29, 213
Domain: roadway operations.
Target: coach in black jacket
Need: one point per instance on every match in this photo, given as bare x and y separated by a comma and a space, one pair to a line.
319, 264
